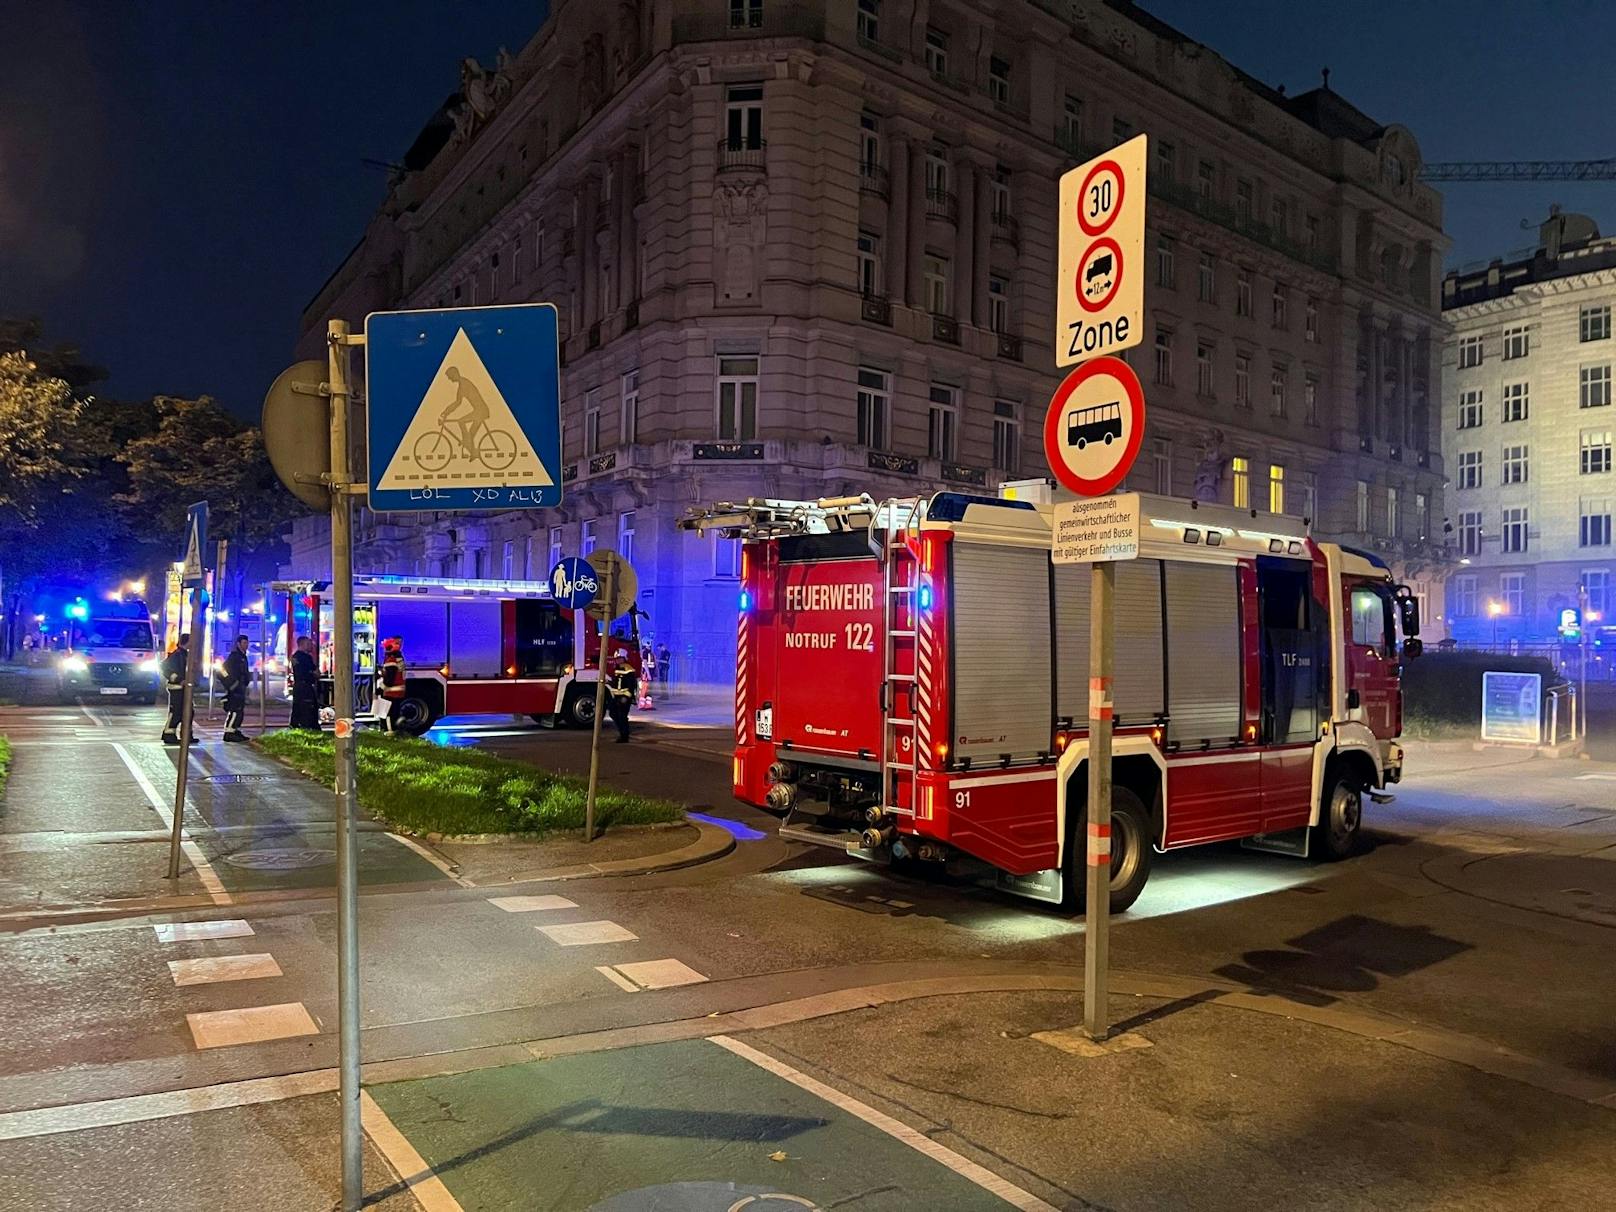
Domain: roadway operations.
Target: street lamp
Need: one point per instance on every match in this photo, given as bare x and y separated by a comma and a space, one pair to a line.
1495, 608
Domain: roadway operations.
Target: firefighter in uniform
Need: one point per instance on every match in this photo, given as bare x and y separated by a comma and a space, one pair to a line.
176, 668
390, 686
305, 686
621, 685
237, 677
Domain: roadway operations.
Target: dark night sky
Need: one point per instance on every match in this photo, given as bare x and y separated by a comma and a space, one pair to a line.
178, 177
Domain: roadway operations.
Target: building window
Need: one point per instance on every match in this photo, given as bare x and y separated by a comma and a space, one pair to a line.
1072, 123
1279, 217
1470, 409
1464, 597
1206, 180
532, 570
589, 538
629, 416
1312, 233
1469, 352
874, 407
1363, 506
1121, 130
1594, 530
555, 547
1164, 357
745, 14
1165, 269
1240, 481
1470, 533
1006, 437
936, 52
727, 558
1515, 464
1422, 516
1595, 452
1512, 591
1244, 195
591, 422
538, 246
1593, 323
625, 535
743, 117
1310, 320
1166, 169
1206, 279
999, 79
936, 171
869, 264
507, 560
471, 290
1161, 461
998, 304
1203, 368
1516, 343
869, 20
1515, 536
1276, 390
942, 422
1516, 401
934, 274
1594, 386
1394, 513
1281, 306
1595, 585
737, 399
1242, 381
516, 261
1307, 495
1469, 469
1310, 399
1242, 293
1276, 488
869, 126
1000, 194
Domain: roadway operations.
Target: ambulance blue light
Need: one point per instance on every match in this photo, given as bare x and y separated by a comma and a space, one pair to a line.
78, 610
746, 601
925, 597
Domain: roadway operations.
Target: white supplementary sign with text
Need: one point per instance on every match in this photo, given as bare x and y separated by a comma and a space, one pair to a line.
1097, 528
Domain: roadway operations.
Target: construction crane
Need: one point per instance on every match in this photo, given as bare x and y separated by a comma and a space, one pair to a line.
1520, 170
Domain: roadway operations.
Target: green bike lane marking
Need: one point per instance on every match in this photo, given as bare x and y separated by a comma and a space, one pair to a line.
688, 1126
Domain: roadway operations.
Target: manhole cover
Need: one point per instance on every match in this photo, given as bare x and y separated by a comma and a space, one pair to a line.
238, 778
289, 859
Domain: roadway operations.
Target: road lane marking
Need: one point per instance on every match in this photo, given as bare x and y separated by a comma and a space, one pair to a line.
964, 1167
199, 861
653, 974
617, 978
94, 718
223, 968
250, 1025
409, 1165
436, 860
528, 904
1609, 778
583, 934
190, 932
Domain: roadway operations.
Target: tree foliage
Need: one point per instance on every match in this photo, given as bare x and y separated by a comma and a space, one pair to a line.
38, 417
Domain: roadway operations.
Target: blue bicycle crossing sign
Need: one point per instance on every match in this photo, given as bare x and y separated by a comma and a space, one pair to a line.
463, 408
573, 583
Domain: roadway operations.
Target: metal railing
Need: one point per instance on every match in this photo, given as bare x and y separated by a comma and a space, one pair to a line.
877, 309
1007, 227
946, 329
1009, 346
742, 155
880, 48
873, 180
941, 204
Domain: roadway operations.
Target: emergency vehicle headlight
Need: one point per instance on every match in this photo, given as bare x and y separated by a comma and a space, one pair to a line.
149, 667
75, 664
924, 597
1214, 538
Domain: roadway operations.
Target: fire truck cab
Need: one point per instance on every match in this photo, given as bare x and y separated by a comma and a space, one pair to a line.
912, 682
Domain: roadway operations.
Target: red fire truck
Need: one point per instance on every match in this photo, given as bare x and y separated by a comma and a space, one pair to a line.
912, 682
471, 647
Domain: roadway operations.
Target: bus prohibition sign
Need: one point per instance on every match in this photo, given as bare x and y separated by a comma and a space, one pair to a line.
1094, 427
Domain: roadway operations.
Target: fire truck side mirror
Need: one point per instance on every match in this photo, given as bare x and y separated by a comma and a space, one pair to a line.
1408, 609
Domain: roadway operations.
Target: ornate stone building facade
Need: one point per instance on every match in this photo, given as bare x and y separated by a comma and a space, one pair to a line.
805, 249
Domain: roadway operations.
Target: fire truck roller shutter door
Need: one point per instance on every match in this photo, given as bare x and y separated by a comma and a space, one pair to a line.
423, 626
1002, 668
1137, 681
476, 649
1203, 621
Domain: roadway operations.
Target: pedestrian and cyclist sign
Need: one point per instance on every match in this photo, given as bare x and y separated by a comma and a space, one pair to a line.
464, 408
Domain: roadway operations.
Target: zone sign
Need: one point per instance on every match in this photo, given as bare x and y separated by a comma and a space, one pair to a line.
1100, 290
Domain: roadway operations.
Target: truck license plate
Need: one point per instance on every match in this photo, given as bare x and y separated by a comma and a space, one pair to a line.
114, 690
764, 723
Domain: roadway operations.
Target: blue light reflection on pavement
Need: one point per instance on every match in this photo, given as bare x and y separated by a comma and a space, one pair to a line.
741, 833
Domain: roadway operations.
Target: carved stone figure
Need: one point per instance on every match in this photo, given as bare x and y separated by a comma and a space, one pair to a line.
591, 78
740, 229
1209, 471
476, 87
628, 29
504, 82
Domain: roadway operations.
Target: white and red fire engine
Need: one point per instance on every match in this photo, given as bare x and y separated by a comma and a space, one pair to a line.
471, 647
912, 682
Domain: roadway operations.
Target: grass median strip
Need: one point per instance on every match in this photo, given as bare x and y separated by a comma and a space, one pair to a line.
5, 764
420, 787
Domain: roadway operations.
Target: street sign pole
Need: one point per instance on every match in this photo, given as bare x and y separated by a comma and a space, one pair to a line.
212, 647
1582, 639
192, 662
353, 1178
606, 618
1097, 915
263, 659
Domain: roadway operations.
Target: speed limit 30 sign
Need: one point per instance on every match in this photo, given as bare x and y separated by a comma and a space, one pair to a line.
1100, 291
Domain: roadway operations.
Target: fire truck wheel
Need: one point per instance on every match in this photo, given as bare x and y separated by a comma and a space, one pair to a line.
580, 708
412, 716
1131, 854
1336, 834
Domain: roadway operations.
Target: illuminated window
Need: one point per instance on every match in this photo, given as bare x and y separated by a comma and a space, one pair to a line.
1276, 488
1241, 468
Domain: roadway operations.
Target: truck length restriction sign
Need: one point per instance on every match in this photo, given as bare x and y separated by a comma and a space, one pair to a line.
1100, 290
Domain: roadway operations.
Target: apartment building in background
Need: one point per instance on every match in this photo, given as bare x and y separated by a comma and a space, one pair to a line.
1526, 434
807, 249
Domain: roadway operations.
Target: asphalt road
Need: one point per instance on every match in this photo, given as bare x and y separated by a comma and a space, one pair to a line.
706, 1037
